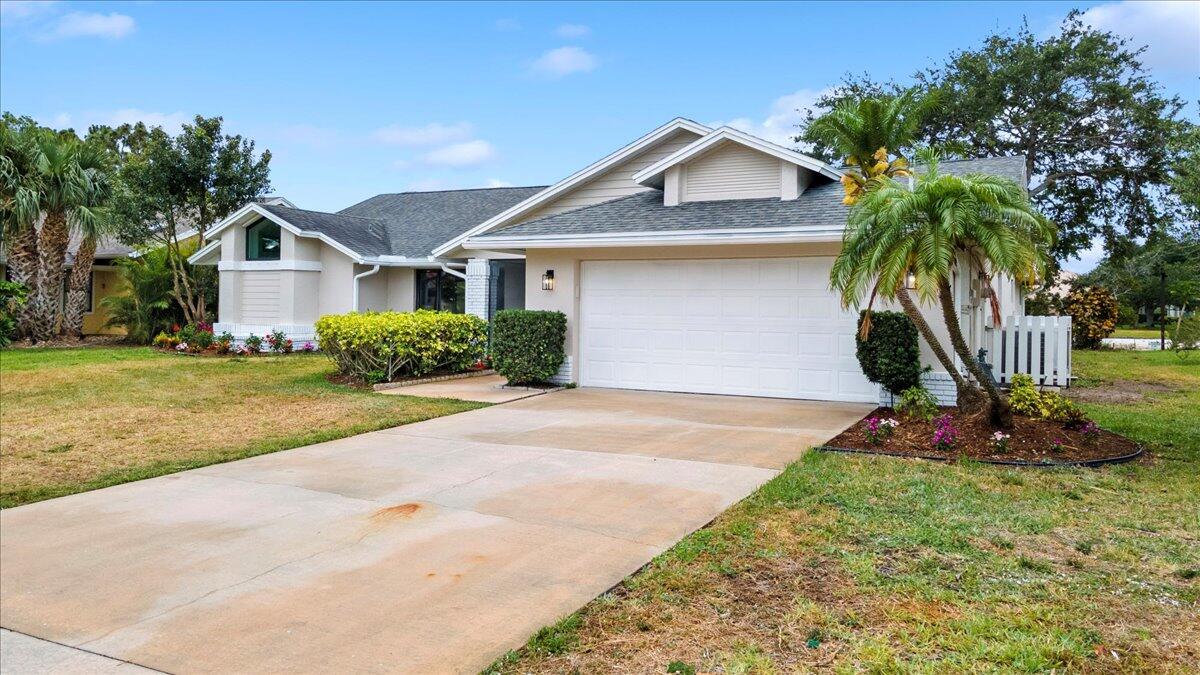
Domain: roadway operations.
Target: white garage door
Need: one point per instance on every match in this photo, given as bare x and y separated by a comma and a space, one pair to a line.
757, 327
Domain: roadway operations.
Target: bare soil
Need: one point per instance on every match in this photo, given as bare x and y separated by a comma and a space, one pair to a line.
1119, 391
1032, 441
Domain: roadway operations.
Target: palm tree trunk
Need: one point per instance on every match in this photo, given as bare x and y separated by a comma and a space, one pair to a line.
52, 254
23, 265
968, 396
999, 411
77, 287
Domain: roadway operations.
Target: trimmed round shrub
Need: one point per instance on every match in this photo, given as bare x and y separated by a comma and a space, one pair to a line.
1094, 312
527, 345
384, 346
890, 355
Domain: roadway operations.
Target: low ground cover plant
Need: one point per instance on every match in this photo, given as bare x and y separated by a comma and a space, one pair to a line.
387, 346
528, 345
917, 403
200, 339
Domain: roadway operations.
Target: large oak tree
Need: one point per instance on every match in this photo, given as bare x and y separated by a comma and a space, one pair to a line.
1100, 138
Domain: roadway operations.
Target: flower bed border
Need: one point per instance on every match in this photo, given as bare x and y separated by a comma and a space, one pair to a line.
1088, 463
384, 386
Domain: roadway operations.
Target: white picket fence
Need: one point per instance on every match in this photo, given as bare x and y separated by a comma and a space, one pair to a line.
1039, 346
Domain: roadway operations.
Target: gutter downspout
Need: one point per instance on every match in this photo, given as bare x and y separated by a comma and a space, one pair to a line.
447, 270
368, 273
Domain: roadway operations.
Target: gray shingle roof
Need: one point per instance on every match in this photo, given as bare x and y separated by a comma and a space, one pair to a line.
416, 222
818, 208
406, 224
365, 236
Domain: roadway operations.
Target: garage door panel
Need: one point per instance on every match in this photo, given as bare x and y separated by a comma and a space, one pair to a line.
761, 327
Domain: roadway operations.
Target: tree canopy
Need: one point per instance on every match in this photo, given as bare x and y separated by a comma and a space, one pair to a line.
1103, 144
174, 188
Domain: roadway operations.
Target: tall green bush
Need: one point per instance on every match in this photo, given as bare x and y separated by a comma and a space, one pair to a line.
527, 345
890, 355
384, 346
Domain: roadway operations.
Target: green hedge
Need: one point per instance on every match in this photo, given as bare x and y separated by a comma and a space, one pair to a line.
890, 355
527, 345
384, 346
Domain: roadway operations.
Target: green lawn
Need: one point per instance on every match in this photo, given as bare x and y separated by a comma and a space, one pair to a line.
852, 564
79, 419
1139, 332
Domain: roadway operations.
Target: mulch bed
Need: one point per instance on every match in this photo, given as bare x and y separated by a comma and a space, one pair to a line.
1029, 443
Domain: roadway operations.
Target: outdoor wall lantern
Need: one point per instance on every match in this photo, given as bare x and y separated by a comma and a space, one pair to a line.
548, 280
910, 281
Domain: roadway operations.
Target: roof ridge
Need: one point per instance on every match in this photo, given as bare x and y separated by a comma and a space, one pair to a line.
324, 213
474, 189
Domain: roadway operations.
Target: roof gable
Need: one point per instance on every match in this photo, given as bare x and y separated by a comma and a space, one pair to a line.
655, 174
545, 197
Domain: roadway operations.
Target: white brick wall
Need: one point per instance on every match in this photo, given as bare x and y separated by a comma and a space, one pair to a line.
940, 385
565, 374
478, 271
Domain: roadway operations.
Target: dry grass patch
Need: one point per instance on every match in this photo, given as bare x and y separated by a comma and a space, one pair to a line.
77, 419
857, 564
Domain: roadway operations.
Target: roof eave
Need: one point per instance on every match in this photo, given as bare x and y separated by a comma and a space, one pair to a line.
783, 235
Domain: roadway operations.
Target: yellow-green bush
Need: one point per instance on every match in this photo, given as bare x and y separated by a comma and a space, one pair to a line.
384, 346
1024, 396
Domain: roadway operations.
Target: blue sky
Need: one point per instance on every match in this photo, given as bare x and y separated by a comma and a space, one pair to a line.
358, 99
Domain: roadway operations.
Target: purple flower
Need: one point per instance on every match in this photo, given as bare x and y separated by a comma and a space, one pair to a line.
945, 436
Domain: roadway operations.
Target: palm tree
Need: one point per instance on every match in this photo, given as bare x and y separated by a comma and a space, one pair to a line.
146, 306
865, 131
92, 223
918, 232
20, 204
68, 174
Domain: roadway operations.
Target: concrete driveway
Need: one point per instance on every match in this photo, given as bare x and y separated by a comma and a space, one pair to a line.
433, 547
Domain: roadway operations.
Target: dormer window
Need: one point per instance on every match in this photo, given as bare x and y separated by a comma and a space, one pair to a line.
262, 241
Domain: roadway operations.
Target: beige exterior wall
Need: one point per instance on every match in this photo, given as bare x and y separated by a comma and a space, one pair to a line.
401, 294
105, 282
731, 171
616, 182
566, 265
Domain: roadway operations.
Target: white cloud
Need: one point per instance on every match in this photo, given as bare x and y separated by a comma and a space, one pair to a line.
14, 10
564, 61
1087, 259
497, 183
112, 26
469, 153
572, 30
171, 122
434, 133
783, 118
1170, 30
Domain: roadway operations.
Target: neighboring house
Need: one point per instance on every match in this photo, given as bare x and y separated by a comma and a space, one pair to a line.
105, 281
693, 259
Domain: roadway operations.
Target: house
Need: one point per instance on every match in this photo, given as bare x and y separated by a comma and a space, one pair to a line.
105, 281
692, 259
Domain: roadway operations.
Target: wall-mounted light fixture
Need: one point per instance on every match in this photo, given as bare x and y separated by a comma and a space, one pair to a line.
910, 280
548, 280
